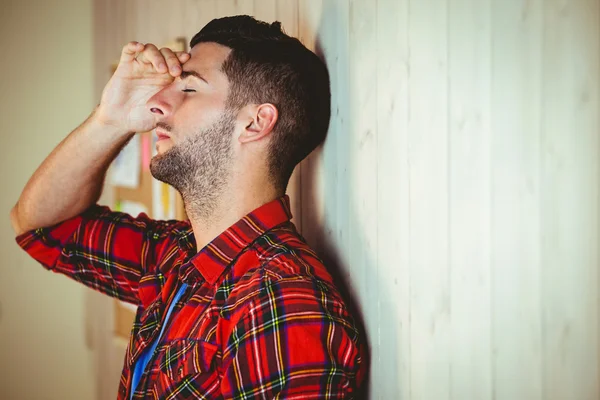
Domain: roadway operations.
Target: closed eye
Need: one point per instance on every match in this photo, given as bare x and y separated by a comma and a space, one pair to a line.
188, 90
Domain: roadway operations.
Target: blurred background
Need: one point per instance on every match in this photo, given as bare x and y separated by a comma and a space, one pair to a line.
456, 196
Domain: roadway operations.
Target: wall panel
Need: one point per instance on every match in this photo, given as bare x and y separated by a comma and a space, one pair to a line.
456, 196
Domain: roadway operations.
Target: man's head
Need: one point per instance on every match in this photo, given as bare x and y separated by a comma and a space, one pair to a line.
250, 97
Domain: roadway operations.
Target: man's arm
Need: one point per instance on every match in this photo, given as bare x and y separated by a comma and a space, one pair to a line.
71, 178
56, 219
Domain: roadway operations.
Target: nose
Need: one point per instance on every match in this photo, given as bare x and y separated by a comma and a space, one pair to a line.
159, 104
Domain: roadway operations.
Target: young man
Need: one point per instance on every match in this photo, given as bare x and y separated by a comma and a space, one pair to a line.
233, 303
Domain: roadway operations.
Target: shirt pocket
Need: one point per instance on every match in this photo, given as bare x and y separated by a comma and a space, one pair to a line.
186, 357
144, 330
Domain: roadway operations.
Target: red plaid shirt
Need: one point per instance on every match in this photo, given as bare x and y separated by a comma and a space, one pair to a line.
260, 318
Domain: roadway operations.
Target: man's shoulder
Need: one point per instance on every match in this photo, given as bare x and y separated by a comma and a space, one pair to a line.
284, 253
279, 259
103, 213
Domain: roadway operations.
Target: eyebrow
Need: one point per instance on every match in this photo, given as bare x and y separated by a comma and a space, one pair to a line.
185, 74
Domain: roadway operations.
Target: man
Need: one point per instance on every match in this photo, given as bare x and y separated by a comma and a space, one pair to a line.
233, 303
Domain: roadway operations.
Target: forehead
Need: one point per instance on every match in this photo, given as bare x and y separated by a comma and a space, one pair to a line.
207, 57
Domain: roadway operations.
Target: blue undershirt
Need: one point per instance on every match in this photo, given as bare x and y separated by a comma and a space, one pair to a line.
142, 362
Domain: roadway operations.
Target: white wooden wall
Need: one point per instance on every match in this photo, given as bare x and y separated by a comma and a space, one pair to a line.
457, 192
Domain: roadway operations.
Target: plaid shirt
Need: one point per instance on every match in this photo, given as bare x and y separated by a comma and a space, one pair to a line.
261, 317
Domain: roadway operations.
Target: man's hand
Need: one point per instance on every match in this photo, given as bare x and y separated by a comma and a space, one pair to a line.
142, 72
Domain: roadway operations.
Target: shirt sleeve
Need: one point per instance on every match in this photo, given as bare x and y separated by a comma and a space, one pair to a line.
294, 341
105, 250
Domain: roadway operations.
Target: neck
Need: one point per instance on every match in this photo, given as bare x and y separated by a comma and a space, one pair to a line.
228, 208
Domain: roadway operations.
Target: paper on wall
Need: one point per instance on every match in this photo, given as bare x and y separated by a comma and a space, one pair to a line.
146, 151
163, 195
163, 200
125, 170
132, 208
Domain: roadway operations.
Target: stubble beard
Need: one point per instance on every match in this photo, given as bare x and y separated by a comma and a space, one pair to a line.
198, 167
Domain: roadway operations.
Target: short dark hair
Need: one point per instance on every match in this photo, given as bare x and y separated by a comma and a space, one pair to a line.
268, 66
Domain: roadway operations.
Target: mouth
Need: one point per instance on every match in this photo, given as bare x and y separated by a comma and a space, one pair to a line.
162, 134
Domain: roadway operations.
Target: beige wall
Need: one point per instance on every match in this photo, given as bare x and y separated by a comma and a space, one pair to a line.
46, 91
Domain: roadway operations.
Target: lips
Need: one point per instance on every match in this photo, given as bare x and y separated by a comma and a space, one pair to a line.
162, 135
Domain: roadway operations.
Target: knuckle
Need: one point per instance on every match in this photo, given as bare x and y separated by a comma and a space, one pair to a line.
167, 54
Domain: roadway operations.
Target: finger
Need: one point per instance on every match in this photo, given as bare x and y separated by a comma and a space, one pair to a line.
172, 61
130, 50
141, 57
153, 56
183, 56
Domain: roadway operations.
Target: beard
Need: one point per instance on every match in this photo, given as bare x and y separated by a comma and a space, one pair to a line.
198, 166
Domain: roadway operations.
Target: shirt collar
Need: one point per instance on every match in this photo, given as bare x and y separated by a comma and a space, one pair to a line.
216, 256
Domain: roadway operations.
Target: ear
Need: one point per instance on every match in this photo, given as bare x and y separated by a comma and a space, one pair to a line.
262, 120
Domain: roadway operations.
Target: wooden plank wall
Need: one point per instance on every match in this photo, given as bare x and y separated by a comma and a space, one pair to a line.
457, 192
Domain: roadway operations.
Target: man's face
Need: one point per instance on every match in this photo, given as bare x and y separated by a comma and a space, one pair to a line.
195, 132
194, 100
